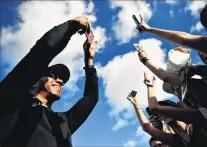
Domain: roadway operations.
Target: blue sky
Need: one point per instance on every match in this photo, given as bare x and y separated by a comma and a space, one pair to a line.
113, 122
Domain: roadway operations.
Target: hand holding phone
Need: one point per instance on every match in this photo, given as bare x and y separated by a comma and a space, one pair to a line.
138, 23
135, 20
150, 82
138, 48
90, 36
133, 94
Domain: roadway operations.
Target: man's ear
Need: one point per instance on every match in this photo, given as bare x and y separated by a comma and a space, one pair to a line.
40, 85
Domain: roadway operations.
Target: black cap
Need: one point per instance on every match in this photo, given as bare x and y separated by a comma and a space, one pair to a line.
61, 71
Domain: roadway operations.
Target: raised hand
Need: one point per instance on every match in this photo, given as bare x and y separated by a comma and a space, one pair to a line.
148, 81
133, 100
84, 24
143, 26
89, 49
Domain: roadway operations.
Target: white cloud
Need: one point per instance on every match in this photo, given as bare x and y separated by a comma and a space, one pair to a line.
124, 26
195, 7
171, 13
37, 17
171, 2
130, 143
198, 27
124, 73
119, 124
143, 136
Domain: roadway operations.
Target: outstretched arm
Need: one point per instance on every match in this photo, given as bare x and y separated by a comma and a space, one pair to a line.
165, 76
196, 42
188, 115
82, 109
165, 138
34, 65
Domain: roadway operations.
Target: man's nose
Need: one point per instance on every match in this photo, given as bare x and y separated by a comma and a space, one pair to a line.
59, 81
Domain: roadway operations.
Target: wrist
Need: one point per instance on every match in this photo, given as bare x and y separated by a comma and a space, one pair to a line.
76, 26
144, 60
137, 106
88, 62
149, 30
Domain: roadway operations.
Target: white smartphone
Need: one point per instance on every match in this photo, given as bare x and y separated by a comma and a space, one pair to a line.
138, 48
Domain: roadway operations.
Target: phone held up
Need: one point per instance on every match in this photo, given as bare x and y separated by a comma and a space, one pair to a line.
135, 20
133, 94
137, 23
138, 48
89, 35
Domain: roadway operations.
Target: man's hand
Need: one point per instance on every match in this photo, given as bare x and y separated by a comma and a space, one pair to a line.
84, 24
143, 26
89, 49
89, 52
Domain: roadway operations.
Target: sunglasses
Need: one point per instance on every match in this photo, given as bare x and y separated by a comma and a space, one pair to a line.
53, 76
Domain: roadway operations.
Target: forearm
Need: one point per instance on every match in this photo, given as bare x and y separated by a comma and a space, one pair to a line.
82, 109
152, 98
182, 38
35, 63
177, 128
56, 39
155, 69
142, 119
91, 84
173, 36
162, 74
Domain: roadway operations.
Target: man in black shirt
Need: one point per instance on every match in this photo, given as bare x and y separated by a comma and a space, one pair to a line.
27, 92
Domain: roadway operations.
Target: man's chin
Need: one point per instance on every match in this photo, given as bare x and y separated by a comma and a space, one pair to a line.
54, 97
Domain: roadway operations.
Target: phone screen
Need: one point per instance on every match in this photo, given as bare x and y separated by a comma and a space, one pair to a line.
90, 36
133, 93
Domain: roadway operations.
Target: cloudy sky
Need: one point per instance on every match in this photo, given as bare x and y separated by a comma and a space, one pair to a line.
113, 121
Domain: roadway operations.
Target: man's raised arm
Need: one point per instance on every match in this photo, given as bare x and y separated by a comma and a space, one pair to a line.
34, 65
82, 109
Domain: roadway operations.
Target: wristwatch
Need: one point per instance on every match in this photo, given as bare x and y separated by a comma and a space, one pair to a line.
144, 60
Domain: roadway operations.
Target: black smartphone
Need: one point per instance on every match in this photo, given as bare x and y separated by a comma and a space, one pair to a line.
133, 93
135, 20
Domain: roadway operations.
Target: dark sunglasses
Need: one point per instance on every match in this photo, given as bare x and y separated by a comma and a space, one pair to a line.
53, 76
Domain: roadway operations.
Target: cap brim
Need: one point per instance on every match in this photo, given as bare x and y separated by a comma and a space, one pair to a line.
61, 71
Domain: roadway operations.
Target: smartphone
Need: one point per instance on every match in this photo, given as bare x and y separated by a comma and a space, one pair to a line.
133, 93
151, 82
135, 20
90, 36
138, 48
